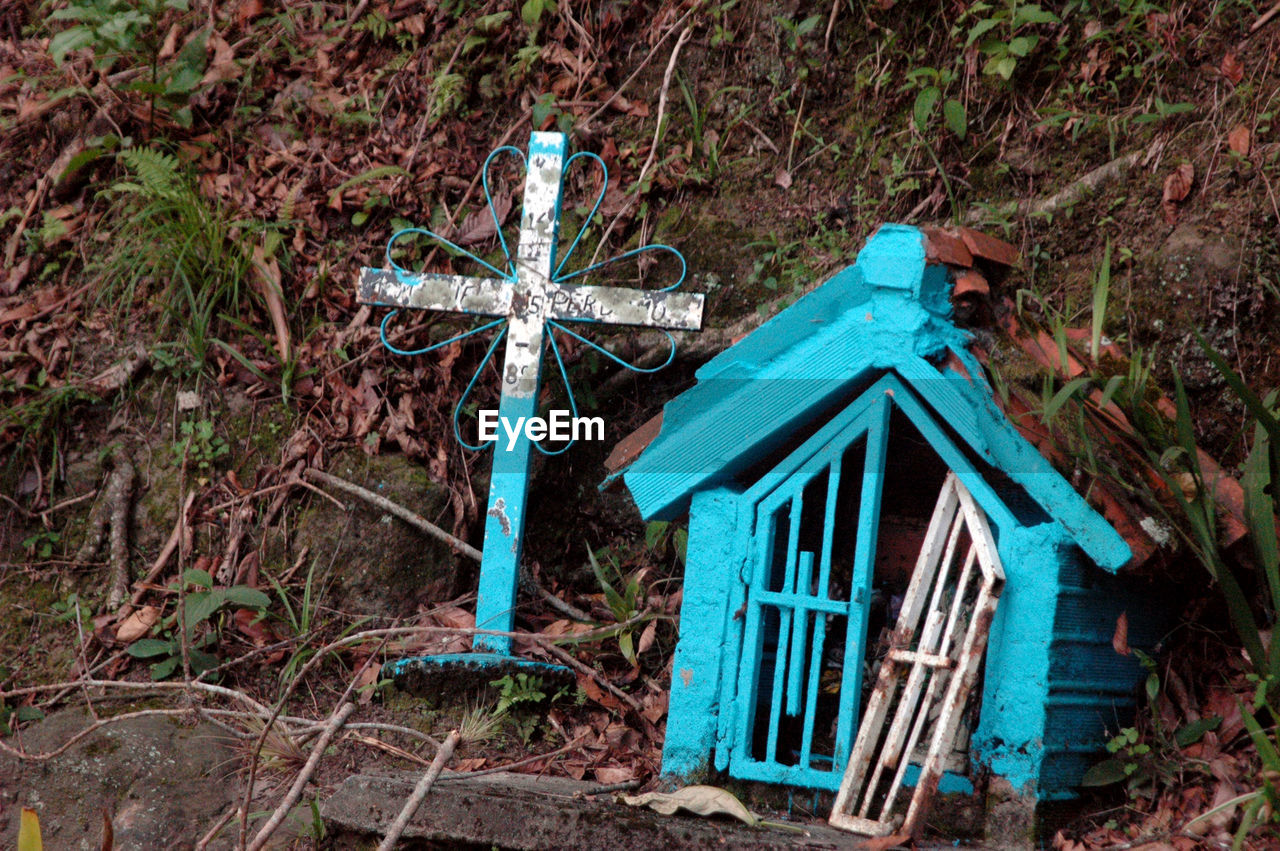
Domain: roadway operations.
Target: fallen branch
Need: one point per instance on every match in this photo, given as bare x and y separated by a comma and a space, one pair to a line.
1264, 18
295, 792
15, 241
531, 583
1073, 192
415, 520
569, 660
419, 792
639, 67
221, 691
274, 716
213, 832
653, 146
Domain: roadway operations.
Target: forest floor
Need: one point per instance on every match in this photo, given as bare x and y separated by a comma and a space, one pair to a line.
189, 189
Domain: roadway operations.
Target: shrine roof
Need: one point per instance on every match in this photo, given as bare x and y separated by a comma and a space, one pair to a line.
889, 312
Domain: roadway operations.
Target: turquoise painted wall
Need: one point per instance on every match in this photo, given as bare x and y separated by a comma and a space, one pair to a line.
716, 552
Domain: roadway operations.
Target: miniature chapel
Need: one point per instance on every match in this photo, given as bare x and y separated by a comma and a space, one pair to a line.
823, 462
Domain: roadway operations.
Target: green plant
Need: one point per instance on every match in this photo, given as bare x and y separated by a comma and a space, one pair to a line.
1198, 509
34, 416
177, 248
42, 544
300, 615
1003, 33
518, 696
1143, 762
515, 690
202, 602
129, 31
794, 32
625, 601
70, 608
199, 445
661, 538
10, 717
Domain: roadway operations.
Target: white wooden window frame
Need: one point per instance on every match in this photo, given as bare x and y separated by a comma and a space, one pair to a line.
948, 654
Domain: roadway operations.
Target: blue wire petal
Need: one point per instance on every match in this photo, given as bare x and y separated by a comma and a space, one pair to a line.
457, 410
382, 332
573, 404
684, 267
611, 356
604, 187
407, 277
484, 179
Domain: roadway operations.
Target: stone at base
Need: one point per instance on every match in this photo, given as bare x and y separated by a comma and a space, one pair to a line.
1011, 817
163, 781
520, 811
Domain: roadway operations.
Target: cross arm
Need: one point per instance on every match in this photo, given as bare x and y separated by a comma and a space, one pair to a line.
434, 291
623, 306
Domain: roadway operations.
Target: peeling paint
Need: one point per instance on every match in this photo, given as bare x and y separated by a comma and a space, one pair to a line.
499, 511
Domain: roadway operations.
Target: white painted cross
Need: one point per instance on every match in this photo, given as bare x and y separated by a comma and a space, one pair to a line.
528, 299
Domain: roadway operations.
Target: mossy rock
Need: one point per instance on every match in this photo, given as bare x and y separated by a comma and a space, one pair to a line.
382, 566
158, 777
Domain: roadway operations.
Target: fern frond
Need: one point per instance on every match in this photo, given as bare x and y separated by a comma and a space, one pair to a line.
158, 173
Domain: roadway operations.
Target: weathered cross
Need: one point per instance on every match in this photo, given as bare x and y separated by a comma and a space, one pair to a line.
529, 298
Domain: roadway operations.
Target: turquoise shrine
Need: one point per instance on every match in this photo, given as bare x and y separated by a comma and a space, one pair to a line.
808, 459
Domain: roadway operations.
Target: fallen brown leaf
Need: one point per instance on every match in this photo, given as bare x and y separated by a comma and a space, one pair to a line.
1232, 68
592, 690
1120, 638
1177, 186
247, 10
223, 65
365, 682
137, 624
1238, 140
269, 284
610, 775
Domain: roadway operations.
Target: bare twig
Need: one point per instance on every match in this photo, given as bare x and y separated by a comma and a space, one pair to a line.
295, 791
351, 19
640, 67
390, 507
567, 609
274, 716
572, 662
210, 688
653, 146
11, 250
431, 95
419, 792
831, 25
1264, 18
213, 832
